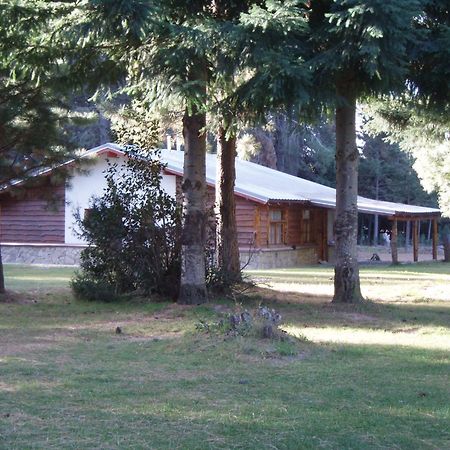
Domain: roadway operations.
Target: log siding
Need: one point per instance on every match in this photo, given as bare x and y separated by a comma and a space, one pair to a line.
32, 219
38, 217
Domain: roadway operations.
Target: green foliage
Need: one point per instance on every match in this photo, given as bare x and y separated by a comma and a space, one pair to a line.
429, 77
421, 132
386, 173
132, 231
419, 121
86, 287
133, 125
367, 41
300, 149
33, 91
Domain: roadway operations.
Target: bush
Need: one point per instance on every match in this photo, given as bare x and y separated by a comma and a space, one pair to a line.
133, 233
93, 290
262, 323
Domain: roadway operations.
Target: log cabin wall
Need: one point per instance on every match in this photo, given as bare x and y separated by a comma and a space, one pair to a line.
38, 217
245, 214
245, 218
246, 222
303, 225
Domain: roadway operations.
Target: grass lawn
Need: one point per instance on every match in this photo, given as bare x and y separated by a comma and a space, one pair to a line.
367, 377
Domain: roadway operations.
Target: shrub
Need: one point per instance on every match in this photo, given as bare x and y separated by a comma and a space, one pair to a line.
93, 290
262, 323
132, 231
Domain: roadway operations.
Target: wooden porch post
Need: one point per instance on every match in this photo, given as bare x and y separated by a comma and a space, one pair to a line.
435, 239
394, 247
415, 241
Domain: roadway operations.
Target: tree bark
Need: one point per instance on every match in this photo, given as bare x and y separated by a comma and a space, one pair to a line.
193, 236
376, 226
2, 278
435, 239
394, 242
226, 232
346, 272
446, 243
416, 228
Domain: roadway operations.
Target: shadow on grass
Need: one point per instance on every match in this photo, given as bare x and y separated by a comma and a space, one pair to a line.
319, 310
189, 395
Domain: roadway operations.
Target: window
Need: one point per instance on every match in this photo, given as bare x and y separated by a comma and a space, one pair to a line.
277, 226
305, 228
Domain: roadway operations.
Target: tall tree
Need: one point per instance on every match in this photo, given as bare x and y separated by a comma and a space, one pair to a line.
226, 233
33, 86
227, 63
252, 81
163, 45
173, 47
360, 51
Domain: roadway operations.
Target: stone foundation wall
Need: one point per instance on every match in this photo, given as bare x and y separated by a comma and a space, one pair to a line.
70, 255
278, 258
41, 254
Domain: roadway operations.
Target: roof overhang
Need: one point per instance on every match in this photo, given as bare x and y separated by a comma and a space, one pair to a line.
259, 192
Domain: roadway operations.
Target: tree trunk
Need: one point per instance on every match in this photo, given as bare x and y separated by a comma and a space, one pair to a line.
361, 231
193, 237
394, 242
446, 243
346, 272
2, 278
226, 232
376, 226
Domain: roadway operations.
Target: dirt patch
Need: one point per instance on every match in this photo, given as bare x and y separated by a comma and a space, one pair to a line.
21, 298
23, 348
271, 295
406, 330
358, 317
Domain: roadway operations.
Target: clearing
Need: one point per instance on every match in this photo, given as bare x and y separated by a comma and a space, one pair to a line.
367, 377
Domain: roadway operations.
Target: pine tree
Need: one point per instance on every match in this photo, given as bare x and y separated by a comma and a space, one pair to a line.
33, 112
251, 82
360, 51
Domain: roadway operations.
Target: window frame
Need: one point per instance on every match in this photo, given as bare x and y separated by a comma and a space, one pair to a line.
279, 224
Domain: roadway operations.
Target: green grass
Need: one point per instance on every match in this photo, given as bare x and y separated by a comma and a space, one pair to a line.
26, 278
367, 377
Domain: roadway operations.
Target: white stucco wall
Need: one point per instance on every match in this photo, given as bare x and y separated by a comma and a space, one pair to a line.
84, 186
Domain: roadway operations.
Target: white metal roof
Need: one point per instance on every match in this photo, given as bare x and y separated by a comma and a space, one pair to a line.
265, 185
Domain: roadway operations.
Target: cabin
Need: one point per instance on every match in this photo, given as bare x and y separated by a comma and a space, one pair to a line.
282, 220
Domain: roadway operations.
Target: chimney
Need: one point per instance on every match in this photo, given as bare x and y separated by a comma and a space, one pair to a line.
169, 142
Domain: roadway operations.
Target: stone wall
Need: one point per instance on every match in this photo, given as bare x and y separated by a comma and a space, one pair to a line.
70, 255
41, 254
278, 258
